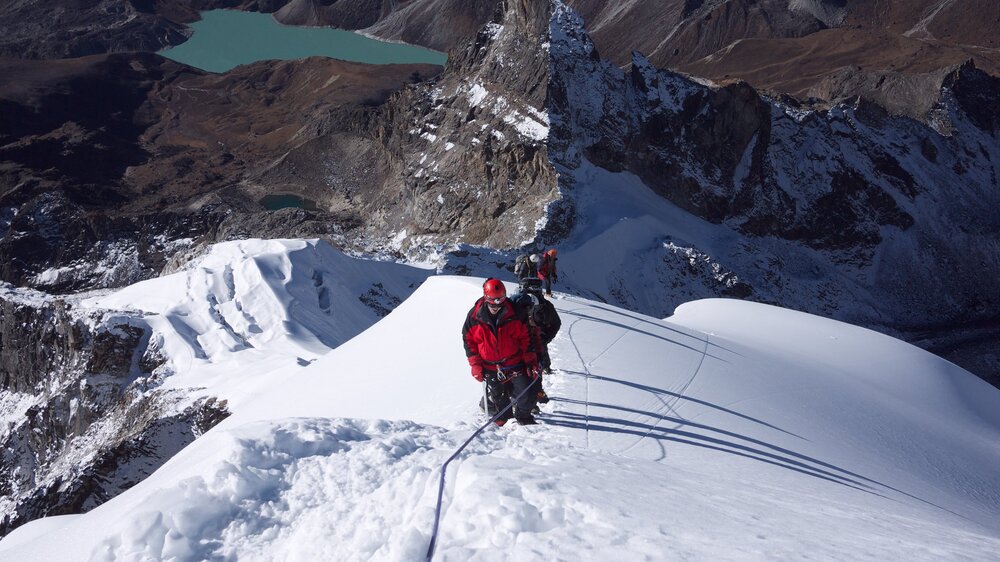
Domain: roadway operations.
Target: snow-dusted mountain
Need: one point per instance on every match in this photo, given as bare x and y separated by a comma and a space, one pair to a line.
730, 430
694, 190
657, 188
519, 142
118, 383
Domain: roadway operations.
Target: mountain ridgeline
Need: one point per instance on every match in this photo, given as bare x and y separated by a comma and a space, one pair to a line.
850, 212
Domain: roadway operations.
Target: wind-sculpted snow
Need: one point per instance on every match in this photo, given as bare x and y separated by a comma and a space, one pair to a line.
281, 484
732, 430
276, 302
114, 385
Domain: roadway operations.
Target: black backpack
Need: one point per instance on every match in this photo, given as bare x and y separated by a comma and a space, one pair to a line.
523, 267
525, 304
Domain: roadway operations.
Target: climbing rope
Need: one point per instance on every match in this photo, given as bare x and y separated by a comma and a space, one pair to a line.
444, 467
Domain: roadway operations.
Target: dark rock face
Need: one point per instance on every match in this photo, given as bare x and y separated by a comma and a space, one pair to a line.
35, 341
135, 453
457, 158
889, 51
82, 419
834, 208
911, 93
674, 134
977, 94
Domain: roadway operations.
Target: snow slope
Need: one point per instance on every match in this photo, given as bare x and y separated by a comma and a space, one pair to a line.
731, 430
105, 415
247, 310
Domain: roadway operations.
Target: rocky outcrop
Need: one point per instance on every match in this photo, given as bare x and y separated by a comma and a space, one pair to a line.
833, 208
457, 158
81, 417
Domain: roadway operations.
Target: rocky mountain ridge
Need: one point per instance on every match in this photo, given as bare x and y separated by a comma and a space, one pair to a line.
831, 50
82, 417
816, 210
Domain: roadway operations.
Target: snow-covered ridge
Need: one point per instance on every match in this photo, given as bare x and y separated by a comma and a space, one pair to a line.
731, 430
123, 380
252, 301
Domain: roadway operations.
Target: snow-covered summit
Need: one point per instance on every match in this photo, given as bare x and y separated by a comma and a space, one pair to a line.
731, 430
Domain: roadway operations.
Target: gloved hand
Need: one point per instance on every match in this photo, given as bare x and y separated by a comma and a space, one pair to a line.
477, 372
533, 371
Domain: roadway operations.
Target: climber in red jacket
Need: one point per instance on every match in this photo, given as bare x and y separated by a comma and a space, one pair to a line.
547, 271
501, 351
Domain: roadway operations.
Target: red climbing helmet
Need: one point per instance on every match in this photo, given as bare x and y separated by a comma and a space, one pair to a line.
494, 291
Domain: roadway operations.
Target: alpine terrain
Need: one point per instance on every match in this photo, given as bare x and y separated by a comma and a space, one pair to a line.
731, 430
230, 303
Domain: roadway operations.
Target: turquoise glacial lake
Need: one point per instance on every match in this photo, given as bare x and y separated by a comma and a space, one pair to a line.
287, 201
224, 39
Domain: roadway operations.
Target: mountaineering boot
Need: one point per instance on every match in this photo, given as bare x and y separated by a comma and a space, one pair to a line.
489, 409
542, 398
536, 409
528, 420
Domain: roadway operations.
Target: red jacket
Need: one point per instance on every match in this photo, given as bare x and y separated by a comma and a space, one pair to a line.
547, 268
504, 340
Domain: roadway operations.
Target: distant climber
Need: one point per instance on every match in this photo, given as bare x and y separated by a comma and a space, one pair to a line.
542, 320
526, 267
501, 351
547, 270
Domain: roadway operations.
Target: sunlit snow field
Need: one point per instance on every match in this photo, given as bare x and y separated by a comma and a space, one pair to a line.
730, 430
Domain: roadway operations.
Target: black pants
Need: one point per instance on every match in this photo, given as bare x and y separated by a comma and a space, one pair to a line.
501, 395
547, 281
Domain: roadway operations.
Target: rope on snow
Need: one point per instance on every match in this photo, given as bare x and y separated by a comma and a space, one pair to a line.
444, 467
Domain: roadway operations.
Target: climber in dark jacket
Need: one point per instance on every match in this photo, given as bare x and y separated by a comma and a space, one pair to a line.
542, 320
526, 267
501, 351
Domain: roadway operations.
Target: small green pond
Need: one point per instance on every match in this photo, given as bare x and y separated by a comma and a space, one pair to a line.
224, 39
287, 201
